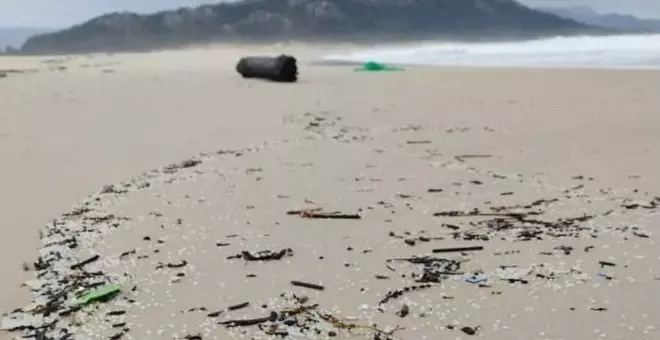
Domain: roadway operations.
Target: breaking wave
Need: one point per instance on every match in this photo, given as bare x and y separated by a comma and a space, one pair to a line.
620, 51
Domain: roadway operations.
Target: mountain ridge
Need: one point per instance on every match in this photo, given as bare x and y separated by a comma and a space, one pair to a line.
589, 16
276, 20
11, 38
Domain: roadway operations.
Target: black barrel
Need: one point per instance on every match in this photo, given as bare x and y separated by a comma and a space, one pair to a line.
282, 68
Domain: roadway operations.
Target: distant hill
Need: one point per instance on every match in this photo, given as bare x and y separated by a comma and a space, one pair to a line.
16, 36
269, 20
611, 20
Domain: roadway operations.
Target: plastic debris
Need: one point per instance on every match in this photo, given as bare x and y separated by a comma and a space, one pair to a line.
476, 278
372, 66
102, 293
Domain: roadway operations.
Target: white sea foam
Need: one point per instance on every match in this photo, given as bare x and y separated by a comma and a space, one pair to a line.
620, 51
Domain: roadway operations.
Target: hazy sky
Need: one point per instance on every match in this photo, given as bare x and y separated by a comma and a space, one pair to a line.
60, 13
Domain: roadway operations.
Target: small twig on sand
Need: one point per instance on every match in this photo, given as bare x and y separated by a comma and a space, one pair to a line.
316, 214
81, 264
239, 306
480, 214
458, 249
249, 322
419, 260
307, 285
461, 158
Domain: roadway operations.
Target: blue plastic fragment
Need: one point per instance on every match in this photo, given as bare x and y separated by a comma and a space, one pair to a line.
477, 278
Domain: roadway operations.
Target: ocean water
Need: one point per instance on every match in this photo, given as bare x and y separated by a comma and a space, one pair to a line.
619, 51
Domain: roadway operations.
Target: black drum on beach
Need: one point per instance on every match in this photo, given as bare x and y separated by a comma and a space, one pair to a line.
282, 68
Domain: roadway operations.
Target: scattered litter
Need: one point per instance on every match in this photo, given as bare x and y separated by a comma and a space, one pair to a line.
413, 279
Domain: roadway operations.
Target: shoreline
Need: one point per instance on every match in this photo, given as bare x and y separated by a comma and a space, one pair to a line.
320, 80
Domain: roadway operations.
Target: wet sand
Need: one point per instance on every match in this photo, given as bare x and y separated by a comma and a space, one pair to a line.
367, 144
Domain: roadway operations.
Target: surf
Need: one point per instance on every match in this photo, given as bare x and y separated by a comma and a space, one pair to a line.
620, 51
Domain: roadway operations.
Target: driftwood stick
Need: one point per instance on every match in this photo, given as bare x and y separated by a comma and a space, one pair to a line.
249, 322
307, 285
457, 249
81, 264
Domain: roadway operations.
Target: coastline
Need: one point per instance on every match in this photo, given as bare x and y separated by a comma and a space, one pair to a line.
83, 126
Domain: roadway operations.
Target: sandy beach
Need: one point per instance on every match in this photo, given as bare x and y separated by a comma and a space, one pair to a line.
177, 173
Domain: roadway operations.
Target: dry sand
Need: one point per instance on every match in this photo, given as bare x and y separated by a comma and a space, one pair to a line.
367, 144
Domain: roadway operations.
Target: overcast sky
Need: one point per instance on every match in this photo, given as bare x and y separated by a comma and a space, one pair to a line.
61, 13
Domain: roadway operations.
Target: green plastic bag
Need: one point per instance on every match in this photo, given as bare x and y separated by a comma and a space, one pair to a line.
372, 66
102, 293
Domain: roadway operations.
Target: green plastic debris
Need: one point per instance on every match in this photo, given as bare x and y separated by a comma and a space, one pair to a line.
372, 66
100, 294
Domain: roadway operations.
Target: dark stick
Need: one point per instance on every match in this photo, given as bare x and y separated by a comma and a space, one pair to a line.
478, 214
214, 314
239, 306
307, 285
334, 216
116, 336
459, 249
419, 260
116, 313
314, 213
181, 264
461, 158
126, 253
249, 322
79, 265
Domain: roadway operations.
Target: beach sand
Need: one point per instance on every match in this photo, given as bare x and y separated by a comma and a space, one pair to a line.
359, 143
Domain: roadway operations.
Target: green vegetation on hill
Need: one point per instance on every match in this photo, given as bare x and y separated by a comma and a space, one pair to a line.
271, 20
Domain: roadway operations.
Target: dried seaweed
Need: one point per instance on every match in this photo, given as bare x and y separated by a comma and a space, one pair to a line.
249, 322
316, 214
264, 255
397, 293
170, 265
